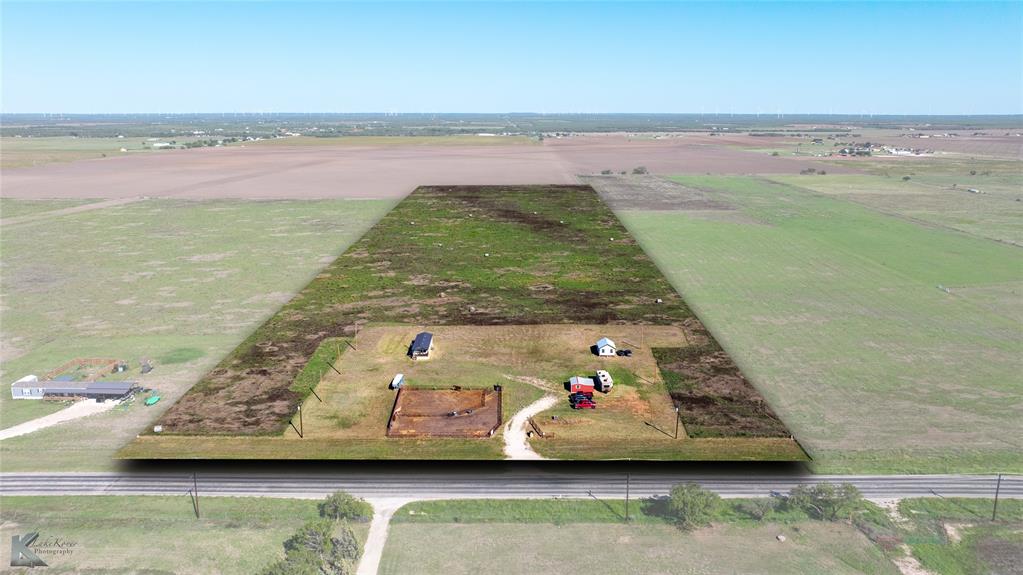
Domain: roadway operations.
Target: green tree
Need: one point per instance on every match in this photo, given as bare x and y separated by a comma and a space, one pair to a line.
826, 501
691, 506
342, 505
322, 547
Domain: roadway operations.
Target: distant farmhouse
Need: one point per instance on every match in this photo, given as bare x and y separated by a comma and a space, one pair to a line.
31, 388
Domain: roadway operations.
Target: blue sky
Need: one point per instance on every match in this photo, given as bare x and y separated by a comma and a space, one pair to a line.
881, 58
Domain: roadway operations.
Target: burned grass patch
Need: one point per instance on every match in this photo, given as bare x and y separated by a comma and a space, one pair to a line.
713, 396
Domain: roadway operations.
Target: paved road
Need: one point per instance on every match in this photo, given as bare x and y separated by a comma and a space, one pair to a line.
509, 484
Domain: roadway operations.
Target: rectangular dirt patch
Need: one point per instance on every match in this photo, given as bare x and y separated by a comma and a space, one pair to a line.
445, 413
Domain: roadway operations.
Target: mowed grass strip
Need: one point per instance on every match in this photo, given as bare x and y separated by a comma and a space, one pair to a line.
443, 256
839, 316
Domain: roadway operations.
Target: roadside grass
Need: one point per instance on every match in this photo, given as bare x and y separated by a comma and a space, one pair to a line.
568, 511
589, 536
177, 282
956, 537
280, 448
834, 312
132, 534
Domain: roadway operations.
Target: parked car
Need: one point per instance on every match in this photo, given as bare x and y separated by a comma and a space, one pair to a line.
584, 404
624, 352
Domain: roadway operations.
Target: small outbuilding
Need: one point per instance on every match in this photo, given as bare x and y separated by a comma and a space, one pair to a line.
398, 381
604, 381
577, 384
422, 346
606, 347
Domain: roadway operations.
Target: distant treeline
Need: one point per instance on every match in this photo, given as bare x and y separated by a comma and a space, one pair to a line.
331, 125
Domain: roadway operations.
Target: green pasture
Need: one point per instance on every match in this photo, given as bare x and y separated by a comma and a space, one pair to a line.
883, 344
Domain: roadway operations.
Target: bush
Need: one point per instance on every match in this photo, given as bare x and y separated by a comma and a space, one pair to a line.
640, 170
690, 505
905, 178
606, 172
826, 501
343, 505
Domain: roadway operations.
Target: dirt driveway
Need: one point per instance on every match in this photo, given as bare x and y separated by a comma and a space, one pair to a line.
76, 410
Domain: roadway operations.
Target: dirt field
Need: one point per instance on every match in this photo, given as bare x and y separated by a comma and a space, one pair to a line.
377, 170
445, 413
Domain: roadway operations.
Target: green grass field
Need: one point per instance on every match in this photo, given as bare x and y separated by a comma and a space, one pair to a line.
177, 282
159, 534
834, 311
16, 208
589, 536
929, 198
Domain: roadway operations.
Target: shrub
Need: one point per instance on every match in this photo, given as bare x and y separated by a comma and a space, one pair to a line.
342, 505
640, 170
905, 178
690, 505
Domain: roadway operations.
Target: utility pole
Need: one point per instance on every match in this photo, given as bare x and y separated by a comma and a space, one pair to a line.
195, 492
676, 422
301, 428
998, 487
627, 481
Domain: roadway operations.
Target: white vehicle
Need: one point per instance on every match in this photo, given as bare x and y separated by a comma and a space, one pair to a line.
398, 381
604, 381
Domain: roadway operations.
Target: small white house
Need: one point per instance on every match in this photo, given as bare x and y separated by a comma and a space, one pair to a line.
606, 347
